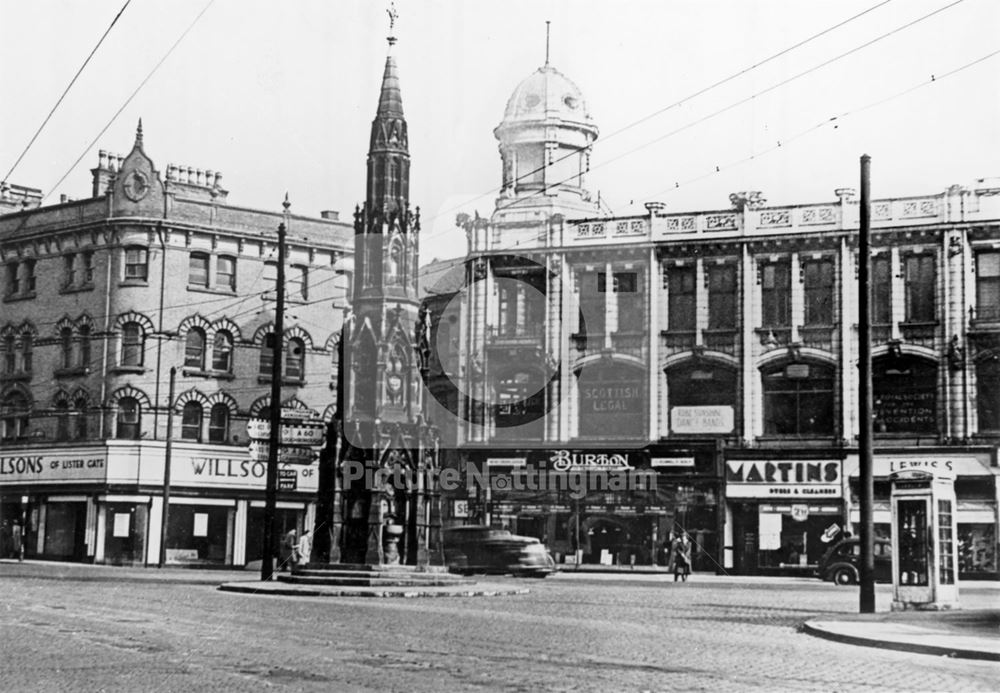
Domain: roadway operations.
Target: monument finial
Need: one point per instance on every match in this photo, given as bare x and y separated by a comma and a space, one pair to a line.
138, 134
393, 16
547, 23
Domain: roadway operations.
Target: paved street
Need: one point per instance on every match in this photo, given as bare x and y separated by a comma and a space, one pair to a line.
104, 629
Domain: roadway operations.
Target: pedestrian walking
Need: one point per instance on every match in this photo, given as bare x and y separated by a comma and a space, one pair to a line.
289, 550
681, 554
304, 548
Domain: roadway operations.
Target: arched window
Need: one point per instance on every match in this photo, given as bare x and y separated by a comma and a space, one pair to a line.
218, 424
66, 345
222, 352
798, 400
295, 358
988, 392
194, 349
905, 395
191, 421
27, 346
132, 344
9, 354
14, 417
129, 413
83, 333
702, 398
612, 401
62, 420
82, 432
267, 355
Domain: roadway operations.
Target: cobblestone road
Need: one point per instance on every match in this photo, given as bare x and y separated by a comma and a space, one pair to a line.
105, 629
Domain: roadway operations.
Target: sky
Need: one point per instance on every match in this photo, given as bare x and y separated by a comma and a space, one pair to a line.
279, 96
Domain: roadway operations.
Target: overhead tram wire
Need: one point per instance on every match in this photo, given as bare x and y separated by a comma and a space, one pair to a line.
697, 93
782, 143
129, 99
66, 91
833, 120
705, 118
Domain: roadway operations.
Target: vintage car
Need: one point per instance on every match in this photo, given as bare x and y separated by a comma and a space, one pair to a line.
841, 564
480, 549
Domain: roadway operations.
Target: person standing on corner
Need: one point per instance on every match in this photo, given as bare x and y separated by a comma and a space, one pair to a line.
304, 548
289, 550
681, 554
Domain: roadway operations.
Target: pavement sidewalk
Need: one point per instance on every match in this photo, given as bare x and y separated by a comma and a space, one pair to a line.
966, 634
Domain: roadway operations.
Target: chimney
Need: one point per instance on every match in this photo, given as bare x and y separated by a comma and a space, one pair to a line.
102, 175
330, 214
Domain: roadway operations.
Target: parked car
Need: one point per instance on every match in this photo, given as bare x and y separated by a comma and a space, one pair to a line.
841, 564
481, 549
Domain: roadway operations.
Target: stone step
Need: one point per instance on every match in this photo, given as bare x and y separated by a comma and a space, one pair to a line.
382, 574
378, 568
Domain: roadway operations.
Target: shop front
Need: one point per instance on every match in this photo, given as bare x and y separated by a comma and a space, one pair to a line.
974, 471
105, 503
781, 514
611, 507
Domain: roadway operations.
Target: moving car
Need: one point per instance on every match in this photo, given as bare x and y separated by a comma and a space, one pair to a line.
841, 564
481, 549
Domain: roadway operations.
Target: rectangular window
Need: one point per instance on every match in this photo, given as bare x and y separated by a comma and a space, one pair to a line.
225, 273
881, 276
84, 337
29, 276
988, 286
27, 345
198, 269
592, 305
817, 276
9, 355
920, 277
69, 278
87, 268
271, 279
13, 282
631, 313
681, 299
776, 295
722, 297
136, 266
297, 283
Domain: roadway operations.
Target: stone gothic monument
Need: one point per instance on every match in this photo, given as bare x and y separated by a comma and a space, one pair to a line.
378, 496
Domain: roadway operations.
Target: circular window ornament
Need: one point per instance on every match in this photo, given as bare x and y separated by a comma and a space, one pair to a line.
571, 101
136, 186
532, 100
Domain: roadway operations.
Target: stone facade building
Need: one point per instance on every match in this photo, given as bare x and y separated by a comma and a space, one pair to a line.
101, 298
717, 350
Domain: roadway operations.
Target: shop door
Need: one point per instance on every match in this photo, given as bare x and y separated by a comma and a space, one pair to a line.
123, 537
65, 527
745, 539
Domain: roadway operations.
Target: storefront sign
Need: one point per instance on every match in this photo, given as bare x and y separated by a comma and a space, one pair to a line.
506, 461
460, 508
292, 432
672, 462
940, 465
287, 480
783, 478
563, 460
69, 466
704, 419
191, 469
800, 513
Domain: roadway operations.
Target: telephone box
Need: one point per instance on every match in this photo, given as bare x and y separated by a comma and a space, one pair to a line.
924, 560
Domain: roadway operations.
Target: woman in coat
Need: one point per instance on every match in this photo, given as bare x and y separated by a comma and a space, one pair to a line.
681, 554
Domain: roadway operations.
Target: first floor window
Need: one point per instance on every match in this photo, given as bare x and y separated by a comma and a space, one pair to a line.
14, 416
905, 395
194, 349
798, 400
128, 418
62, 420
81, 419
722, 297
920, 276
132, 344
881, 279
198, 269
267, 355
818, 281
295, 358
66, 346
84, 336
776, 295
27, 346
218, 424
222, 352
681, 299
988, 286
191, 421
225, 273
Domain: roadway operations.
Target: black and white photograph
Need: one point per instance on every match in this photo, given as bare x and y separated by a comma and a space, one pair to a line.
521, 345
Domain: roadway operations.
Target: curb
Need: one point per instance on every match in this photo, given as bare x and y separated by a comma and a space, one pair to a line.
815, 629
262, 589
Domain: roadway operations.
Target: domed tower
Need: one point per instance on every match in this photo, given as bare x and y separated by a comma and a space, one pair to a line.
545, 139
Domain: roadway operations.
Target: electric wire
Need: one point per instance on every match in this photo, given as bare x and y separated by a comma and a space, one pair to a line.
66, 91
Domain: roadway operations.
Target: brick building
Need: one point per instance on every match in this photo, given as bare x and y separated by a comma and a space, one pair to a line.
101, 298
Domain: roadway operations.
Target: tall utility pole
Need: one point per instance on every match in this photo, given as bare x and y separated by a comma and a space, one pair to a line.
165, 513
867, 490
274, 437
